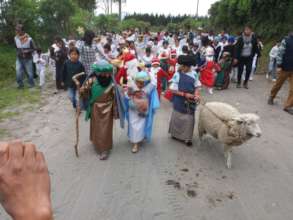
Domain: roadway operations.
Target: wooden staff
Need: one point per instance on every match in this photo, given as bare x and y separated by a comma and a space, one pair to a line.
77, 83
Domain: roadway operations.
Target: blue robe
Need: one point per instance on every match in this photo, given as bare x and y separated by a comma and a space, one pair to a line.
154, 104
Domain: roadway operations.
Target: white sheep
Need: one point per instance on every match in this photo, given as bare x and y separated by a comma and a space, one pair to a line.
228, 125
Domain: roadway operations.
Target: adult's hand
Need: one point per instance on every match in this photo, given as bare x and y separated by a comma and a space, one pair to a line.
189, 96
24, 182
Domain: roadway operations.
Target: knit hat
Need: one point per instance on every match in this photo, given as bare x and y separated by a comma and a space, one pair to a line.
173, 53
164, 56
102, 67
155, 61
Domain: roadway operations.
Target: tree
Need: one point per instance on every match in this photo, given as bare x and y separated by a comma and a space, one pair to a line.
269, 18
89, 5
104, 23
55, 17
132, 23
14, 12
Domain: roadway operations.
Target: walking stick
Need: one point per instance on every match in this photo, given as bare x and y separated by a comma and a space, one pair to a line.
77, 83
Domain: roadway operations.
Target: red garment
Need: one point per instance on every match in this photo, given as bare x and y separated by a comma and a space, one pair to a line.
159, 76
122, 73
207, 73
172, 67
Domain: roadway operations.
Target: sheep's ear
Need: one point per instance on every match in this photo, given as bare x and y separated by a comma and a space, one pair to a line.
239, 120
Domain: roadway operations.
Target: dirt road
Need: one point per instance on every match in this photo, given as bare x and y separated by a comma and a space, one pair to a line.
167, 180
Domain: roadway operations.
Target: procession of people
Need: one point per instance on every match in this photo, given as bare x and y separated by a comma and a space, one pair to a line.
127, 74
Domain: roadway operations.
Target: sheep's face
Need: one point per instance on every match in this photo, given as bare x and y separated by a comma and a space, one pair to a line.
248, 126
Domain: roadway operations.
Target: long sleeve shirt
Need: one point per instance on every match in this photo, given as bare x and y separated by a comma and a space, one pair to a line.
281, 52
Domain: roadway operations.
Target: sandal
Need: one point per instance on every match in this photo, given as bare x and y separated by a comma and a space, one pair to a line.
188, 143
104, 156
135, 148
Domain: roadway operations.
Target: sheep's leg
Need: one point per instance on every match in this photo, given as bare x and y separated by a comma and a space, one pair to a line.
201, 130
228, 157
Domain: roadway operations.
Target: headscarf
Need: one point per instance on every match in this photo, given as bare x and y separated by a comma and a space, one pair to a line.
102, 67
142, 76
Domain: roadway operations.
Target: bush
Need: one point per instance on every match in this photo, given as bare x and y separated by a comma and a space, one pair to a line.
7, 64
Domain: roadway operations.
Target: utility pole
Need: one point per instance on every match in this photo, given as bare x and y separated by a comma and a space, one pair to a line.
120, 9
111, 6
197, 9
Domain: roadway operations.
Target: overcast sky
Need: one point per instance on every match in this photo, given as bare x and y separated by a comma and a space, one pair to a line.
173, 7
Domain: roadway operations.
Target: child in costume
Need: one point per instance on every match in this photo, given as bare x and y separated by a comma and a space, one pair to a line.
207, 75
185, 88
157, 74
141, 101
164, 58
172, 63
223, 77
40, 61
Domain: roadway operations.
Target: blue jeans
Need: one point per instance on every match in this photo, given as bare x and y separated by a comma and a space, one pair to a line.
273, 68
22, 66
73, 98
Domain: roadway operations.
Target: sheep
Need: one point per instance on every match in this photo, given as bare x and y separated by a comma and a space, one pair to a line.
228, 125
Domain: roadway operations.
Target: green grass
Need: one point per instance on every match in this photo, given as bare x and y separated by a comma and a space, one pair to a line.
3, 133
12, 100
7, 64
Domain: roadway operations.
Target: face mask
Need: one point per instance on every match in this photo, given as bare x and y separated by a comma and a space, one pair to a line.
104, 81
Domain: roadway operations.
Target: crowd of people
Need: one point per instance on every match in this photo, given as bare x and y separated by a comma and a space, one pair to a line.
174, 65
146, 66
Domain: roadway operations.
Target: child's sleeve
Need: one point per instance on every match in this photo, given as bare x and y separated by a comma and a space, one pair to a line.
197, 82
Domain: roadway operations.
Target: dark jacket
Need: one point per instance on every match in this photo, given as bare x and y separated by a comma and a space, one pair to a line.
239, 46
59, 56
70, 70
285, 55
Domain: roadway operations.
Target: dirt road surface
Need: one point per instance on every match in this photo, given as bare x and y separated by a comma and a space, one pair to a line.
167, 180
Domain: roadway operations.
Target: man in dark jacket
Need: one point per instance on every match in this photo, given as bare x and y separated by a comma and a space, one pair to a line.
245, 49
285, 70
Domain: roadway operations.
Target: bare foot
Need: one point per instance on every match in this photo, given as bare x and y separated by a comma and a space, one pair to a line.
24, 182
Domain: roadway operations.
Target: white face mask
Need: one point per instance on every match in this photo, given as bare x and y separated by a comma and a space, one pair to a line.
155, 69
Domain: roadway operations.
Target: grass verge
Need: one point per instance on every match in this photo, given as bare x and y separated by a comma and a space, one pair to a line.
13, 101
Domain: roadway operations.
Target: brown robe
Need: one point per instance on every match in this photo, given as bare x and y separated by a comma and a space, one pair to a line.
101, 124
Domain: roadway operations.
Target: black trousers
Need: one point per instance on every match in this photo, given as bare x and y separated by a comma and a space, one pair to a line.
59, 75
247, 62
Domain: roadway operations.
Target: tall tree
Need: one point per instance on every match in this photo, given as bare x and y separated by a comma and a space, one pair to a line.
89, 5
55, 16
